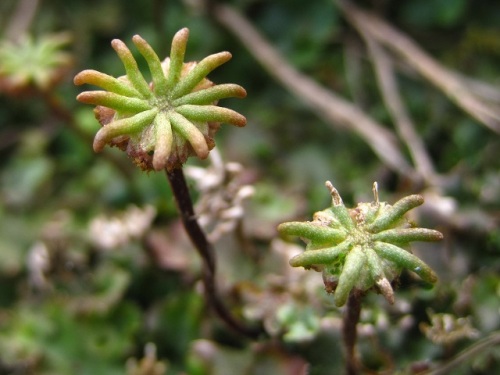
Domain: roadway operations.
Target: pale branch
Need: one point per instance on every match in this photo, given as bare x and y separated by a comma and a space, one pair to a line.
350, 332
207, 253
482, 89
335, 110
444, 79
21, 19
353, 62
388, 85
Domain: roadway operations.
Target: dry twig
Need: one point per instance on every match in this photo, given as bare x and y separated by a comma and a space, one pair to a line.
21, 19
455, 87
389, 88
332, 108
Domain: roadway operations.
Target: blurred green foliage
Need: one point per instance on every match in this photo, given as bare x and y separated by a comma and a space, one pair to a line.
71, 305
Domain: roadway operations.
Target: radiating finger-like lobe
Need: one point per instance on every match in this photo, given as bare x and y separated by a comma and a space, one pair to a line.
405, 259
319, 234
342, 214
164, 140
154, 64
124, 126
354, 262
190, 133
113, 101
376, 270
395, 213
106, 82
204, 113
326, 255
198, 73
407, 235
211, 95
374, 265
177, 52
133, 73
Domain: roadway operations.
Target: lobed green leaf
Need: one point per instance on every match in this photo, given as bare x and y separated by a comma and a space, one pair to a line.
106, 82
177, 52
124, 126
211, 95
206, 113
133, 73
354, 262
189, 132
113, 101
377, 274
198, 73
318, 234
154, 63
164, 140
326, 255
394, 213
407, 235
405, 259
342, 214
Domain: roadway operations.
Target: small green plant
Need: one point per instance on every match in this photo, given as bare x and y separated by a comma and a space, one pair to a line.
362, 248
160, 124
33, 64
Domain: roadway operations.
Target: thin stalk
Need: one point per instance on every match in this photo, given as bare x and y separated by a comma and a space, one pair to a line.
350, 333
206, 251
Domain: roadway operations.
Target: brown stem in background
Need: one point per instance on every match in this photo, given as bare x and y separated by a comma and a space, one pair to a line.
205, 250
350, 332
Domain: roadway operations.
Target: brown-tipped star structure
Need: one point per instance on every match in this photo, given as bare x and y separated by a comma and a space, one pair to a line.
361, 248
160, 124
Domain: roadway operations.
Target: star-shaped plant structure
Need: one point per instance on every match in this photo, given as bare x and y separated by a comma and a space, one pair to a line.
29, 64
361, 248
160, 124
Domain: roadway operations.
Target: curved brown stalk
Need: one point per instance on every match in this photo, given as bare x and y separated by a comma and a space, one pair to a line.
350, 333
205, 250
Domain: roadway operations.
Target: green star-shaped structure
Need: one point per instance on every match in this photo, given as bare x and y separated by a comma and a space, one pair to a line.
363, 247
160, 124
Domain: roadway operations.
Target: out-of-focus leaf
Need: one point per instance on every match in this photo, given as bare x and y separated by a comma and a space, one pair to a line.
440, 13
28, 174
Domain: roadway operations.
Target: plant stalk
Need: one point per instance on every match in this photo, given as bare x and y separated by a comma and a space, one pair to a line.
349, 331
206, 251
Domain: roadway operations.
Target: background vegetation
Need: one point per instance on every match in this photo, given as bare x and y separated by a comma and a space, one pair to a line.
95, 269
